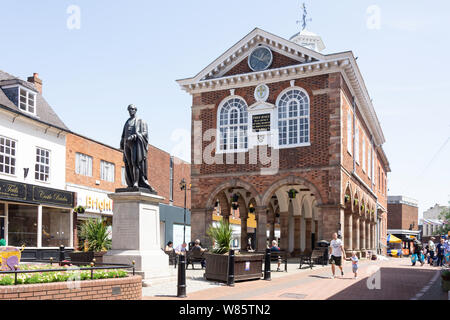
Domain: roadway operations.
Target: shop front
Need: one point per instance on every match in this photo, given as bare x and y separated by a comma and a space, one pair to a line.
36, 217
96, 203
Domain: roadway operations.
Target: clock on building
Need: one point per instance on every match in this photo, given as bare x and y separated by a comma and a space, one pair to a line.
260, 58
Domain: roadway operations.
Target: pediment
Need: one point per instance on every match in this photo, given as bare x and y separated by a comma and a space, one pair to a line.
234, 60
261, 106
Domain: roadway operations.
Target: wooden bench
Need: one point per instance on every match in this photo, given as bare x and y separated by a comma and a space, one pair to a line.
195, 255
173, 257
281, 256
315, 257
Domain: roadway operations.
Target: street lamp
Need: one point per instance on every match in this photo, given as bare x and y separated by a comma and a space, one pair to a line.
183, 186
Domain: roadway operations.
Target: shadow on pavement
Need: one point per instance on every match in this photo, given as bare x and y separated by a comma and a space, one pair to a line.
387, 284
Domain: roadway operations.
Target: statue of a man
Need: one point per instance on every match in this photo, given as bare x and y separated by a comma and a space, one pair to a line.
134, 144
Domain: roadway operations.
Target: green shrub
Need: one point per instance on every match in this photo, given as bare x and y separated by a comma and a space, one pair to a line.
221, 236
96, 233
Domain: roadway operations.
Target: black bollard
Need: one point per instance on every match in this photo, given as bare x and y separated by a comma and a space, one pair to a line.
181, 292
267, 275
61, 254
230, 280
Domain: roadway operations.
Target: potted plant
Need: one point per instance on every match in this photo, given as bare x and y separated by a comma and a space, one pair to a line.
445, 279
95, 238
346, 198
79, 209
292, 193
246, 266
251, 208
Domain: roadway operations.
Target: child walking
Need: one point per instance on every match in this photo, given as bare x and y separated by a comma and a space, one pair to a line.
355, 260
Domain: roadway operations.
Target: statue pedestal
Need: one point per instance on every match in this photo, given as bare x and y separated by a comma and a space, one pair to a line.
136, 235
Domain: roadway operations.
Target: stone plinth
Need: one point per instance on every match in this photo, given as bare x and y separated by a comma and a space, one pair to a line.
136, 235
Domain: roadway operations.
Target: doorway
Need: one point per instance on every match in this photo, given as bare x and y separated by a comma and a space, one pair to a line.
2, 228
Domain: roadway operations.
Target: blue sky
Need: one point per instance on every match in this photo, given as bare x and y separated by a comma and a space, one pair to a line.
133, 51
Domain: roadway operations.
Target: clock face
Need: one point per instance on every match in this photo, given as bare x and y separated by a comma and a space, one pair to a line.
260, 58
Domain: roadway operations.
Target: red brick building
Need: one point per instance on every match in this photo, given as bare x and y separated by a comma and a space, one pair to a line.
403, 219
291, 132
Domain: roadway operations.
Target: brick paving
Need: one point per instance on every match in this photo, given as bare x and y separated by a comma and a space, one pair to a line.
397, 280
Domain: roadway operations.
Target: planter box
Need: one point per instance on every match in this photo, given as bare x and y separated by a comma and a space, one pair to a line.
87, 257
217, 267
128, 288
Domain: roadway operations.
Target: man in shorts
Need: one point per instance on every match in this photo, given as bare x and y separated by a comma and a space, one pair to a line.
337, 254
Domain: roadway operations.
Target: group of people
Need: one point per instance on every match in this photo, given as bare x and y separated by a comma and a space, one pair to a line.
182, 249
433, 254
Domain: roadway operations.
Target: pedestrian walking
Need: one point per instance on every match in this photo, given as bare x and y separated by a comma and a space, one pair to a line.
354, 260
336, 252
440, 251
431, 250
417, 253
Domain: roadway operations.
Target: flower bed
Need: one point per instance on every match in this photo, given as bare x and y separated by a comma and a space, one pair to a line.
57, 276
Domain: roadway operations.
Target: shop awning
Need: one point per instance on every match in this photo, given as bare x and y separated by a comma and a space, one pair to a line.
393, 239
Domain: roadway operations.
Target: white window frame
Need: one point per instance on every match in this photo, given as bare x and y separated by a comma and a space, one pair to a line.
349, 131
27, 98
241, 114
10, 156
357, 142
363, 160
41, 164
102, 170
298, 118
123, 174
85, 159
369, 162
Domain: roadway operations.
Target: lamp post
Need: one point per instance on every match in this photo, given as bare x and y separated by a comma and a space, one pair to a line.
184, 187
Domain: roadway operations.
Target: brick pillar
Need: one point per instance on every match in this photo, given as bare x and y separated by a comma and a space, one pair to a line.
356, 236
272, 230
308, 230
297, 231
362, 237
201, 220
374, 236
244, 235
368, 243
331, 217
284, 231
261, 228
348, 243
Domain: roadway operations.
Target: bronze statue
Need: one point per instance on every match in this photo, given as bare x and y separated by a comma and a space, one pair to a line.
134, 144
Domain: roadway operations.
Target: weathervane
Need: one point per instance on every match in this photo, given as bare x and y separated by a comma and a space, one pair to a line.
304, 20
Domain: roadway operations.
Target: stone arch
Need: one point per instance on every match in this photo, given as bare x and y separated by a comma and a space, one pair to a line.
349, 204
233, 183
290, 180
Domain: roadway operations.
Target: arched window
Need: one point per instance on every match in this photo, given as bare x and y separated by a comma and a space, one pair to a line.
232, 124
293, 118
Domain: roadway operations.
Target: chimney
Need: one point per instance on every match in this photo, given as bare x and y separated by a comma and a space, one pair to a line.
37, 82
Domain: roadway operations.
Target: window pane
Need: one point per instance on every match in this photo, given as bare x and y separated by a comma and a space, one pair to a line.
22, 227
55, 227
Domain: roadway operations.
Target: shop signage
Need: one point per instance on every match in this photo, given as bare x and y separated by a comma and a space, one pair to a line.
261, 122
23, 192
58, 197
10, 190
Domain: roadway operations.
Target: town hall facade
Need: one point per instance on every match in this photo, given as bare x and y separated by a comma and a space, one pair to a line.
289, 136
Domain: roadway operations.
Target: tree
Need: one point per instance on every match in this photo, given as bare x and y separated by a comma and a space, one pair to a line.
445, 217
